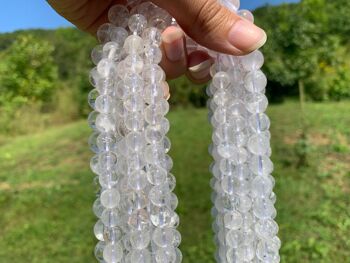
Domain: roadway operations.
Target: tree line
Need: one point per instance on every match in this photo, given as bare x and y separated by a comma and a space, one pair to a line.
308, 47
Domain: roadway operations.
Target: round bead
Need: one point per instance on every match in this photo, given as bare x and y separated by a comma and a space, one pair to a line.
221, 80
118, 15
103, 33
246, 14
258, 144
255, 81
106, 67
233, 220
113, 253
253, 61
137, 23
133, 44
110, 217
110, 198
152, 36
140, 239
118, 35
98, 230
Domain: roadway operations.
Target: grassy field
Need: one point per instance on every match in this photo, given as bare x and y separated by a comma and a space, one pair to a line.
46, 189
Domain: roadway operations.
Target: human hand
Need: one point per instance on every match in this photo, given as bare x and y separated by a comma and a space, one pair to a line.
205, 21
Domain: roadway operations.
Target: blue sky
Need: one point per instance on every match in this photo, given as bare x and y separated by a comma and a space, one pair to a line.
24, 14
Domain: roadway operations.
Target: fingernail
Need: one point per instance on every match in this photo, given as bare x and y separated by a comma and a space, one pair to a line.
246, 36
201, 70
173, 43
166, 90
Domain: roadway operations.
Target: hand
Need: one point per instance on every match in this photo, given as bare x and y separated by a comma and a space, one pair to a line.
206, 21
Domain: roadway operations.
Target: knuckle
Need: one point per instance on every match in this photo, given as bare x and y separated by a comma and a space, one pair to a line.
211, 17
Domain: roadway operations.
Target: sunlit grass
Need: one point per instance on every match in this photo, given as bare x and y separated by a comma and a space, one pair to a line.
46, 189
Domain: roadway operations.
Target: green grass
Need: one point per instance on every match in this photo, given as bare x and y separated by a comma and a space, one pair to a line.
46, 189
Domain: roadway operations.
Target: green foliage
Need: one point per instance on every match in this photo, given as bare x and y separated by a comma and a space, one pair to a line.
28, 71
28, 79
305, 43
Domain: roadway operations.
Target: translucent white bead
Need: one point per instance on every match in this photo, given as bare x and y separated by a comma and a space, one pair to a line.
137, 180
266, 251
259, 122
153, 92
256, 103
97, 208
134, 103
266, 229
152, 36
106, 67
112, 234
118, 35
103, 33
92, 96
161, 216
98, 230
105, 142
258, 144
233, 220
143, 256
263, 208
104, 104
166, 255
261, 165
159, 195
156, 175
134, 121
105, 123
94, 76
233, 5
107, 161
262, 186
110, 217
153, 74
246, 14
110, 198
118, 15
139, 220
140, 239
113, 253
96, 54
134, 44
153, 54
135, 141
133, 63
255, 81
253, 61
164, 237
245, 253
233, 238
221, 80
137, 23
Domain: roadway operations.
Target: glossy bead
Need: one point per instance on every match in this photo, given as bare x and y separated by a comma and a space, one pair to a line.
118, 15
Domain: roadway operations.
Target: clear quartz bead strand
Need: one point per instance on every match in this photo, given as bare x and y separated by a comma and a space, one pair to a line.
135, 206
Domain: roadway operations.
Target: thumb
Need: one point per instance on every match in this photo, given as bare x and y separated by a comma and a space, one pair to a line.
214, 26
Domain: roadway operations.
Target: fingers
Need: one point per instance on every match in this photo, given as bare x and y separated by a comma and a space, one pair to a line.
174, 60
199, 64
214, 26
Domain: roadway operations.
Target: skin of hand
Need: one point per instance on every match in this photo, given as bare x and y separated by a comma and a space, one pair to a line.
206, 21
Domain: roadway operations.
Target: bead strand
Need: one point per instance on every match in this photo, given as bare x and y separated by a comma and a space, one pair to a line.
135, 204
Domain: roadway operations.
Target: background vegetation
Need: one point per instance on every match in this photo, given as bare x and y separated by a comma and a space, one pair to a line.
46, 187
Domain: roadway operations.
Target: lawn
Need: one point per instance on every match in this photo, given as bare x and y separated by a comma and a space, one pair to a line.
46, 189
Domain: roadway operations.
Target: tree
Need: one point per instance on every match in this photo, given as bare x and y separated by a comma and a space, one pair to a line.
28, 72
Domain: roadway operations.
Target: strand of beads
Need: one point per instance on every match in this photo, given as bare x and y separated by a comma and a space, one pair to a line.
135, 205
244, 210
